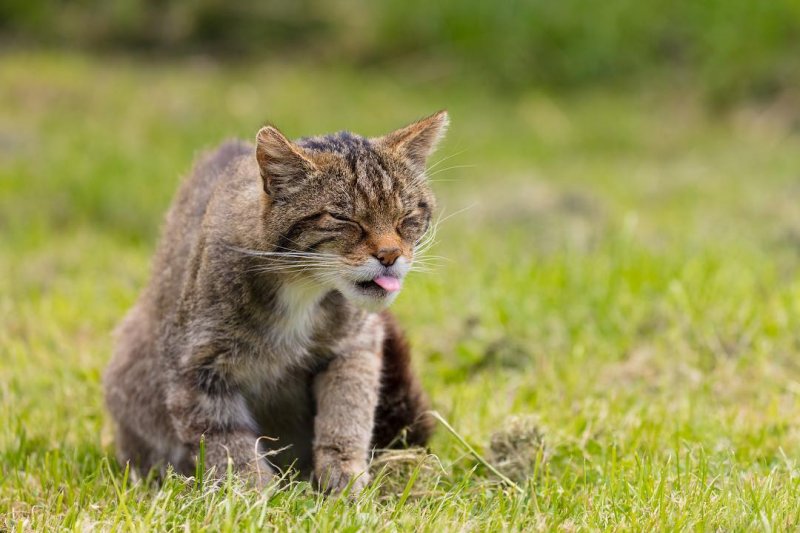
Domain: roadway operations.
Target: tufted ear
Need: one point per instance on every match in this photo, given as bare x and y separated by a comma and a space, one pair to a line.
417, 141
283, 164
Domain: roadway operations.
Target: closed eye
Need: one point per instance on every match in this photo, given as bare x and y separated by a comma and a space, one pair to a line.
410, 225
341, 218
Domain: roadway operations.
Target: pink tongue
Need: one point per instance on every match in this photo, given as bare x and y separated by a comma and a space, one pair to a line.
388, 283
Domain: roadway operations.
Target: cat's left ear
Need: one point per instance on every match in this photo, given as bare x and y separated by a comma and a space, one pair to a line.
417, 141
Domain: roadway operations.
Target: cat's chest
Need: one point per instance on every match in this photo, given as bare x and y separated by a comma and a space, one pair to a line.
277, 385
283, 340
294, 321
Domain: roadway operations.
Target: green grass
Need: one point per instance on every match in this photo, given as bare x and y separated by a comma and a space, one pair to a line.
624, 273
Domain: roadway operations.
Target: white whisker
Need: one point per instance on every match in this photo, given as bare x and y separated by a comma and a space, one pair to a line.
442, 160
449, 168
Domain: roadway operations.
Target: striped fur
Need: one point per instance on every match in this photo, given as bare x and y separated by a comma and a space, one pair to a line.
261, 318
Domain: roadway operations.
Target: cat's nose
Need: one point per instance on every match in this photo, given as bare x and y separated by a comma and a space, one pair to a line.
387, 256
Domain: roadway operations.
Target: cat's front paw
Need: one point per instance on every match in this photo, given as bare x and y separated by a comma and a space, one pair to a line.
334, 475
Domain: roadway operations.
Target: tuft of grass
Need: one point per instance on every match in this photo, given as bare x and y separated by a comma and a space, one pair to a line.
518, 448
413, 472
627, 274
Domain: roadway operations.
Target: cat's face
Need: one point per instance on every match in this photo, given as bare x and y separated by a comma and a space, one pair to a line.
349, 213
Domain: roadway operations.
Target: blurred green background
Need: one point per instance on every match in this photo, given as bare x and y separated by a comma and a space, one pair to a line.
732, 49
621, 265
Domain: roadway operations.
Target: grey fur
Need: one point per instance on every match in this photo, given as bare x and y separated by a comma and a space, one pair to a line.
240, 336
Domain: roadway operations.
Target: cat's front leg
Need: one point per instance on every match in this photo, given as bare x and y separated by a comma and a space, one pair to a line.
346, 395
203, 407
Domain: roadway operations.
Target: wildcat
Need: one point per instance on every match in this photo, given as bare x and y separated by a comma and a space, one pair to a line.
263, 329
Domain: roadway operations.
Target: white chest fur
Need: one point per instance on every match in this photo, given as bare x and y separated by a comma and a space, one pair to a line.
284, 343
296, 315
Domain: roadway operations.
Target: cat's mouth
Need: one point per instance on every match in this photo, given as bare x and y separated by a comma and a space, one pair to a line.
380, 285
372, 291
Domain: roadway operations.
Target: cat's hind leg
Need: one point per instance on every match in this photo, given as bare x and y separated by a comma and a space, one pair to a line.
134, 451
134, 396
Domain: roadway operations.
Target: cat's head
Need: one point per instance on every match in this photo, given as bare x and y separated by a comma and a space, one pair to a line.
347, 212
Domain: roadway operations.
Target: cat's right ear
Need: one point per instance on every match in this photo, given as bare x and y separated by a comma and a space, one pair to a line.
417, 141
283, 164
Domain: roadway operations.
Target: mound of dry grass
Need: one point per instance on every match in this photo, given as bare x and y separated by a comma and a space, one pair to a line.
513, 449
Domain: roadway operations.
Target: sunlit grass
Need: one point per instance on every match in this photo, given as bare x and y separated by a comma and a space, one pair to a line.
625, 270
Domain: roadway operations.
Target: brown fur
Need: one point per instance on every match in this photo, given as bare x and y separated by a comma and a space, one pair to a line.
261, 316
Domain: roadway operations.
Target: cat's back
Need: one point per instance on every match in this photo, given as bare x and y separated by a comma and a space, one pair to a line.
184, 221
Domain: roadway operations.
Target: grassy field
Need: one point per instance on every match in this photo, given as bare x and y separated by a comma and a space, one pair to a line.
619, 303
